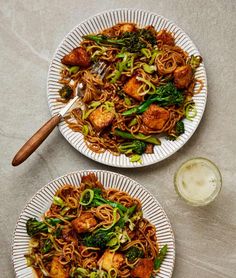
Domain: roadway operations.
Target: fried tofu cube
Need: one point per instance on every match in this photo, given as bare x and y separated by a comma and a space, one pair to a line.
127, 27
131, 88
143, 269
183, 76
57, 270
84, 222
110, 260
166, 38
77, 57
101, 118
69, 235
155, 117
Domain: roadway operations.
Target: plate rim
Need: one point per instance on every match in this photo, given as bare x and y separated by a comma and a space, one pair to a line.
105, 172
130, 164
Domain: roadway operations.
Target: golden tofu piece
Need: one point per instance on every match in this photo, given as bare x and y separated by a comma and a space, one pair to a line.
143, 269
110, 260
127, 27
155, 117
77, 57
131, 88
69, 235
101, 118
166, 37
84, 222
57, 270
183, 76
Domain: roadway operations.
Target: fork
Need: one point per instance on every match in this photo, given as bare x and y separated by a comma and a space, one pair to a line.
36, 140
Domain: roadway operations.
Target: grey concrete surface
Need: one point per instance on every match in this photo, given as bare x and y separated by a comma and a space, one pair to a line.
29, 34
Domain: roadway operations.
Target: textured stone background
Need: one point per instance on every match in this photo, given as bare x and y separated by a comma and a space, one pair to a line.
30, 31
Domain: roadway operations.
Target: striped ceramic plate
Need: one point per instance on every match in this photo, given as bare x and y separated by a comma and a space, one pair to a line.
43, 198
96, 24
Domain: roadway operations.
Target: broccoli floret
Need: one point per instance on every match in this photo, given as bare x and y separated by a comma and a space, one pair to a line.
33, 226
133, 253
195, 61
166, 95
100, 238
179, 128
129, 41
136, 146
66, 92
148, 36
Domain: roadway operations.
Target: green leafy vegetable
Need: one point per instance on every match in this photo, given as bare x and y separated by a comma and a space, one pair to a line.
179, 128
58, 201
98, 200
133, 253
195, 61
135, 146
139, 136
159, 259
165, 95
127, 62
129, 41
99, 238
66, 92
33, 226
47, 246
126, 217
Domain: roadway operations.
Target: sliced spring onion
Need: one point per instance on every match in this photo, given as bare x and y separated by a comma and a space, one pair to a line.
114, 241
85, 114
85, 130
74, 69
86, 197
133, 122
93, 275
114, 220
81, 272
146, 52
190, 111
112, 273
127, 101
155, 53
151, 87
94, 104
58, 201
136, 158
149, 69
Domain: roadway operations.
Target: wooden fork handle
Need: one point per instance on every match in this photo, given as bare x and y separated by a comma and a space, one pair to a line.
36, 140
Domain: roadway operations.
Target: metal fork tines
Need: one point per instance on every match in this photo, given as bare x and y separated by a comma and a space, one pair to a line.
99, 69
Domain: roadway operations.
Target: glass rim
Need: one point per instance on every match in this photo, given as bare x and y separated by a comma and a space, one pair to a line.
208, 200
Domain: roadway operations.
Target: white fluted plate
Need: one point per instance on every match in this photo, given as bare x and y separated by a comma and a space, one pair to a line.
41, 201
105, 20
